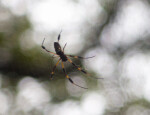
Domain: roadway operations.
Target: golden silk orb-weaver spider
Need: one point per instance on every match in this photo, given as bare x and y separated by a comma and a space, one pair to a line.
63, 58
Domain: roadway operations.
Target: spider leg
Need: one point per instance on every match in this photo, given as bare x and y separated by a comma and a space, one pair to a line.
47, 49
79, 57
53, 56
52, 73
64, 47
80, 69
70, 78
59, 35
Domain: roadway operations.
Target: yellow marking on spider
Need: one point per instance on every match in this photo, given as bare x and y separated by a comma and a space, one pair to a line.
79, 69
67, 76
69, 60
62, 64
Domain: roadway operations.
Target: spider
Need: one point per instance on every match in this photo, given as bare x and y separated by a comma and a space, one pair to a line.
63, 58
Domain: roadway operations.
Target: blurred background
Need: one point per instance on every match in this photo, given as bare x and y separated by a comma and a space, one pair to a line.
116, 32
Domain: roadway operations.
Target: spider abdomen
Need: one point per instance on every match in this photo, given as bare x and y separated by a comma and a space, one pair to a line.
57, 48
59, 51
